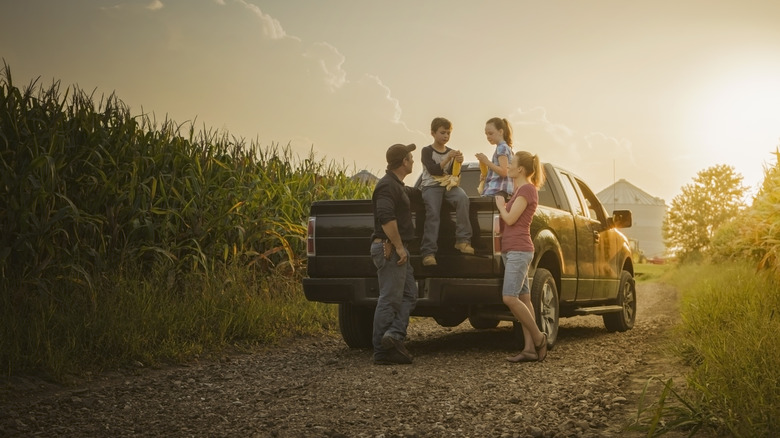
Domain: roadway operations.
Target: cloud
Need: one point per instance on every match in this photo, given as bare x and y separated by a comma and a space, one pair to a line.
593, 155
330, 62
614, 147
534, 126
271, 26
344, 117
398, 112
156, 5
532, 129
269, 87
538, 116
353, 124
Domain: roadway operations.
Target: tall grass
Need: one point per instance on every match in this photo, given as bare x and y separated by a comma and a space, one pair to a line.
136, 318
127, 238
729, 339
729, 335
730, 326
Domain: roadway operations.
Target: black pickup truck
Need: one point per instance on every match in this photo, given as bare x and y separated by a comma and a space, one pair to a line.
582, 264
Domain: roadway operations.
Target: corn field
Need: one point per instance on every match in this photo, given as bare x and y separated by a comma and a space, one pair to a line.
755, 234
110, 220
89, 187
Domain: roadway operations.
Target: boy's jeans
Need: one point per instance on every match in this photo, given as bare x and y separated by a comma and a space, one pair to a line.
397, 296
432, 198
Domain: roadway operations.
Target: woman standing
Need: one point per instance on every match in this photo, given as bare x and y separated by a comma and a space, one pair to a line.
518, 250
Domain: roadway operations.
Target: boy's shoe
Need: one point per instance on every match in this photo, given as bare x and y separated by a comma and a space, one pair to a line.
464, 247
429, 260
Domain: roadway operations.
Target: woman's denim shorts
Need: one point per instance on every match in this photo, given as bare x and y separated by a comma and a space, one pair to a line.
516, 264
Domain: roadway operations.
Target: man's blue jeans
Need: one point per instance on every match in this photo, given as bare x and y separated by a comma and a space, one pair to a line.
433, 197
397, 296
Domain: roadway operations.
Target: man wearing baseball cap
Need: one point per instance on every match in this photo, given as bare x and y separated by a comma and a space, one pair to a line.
393, 229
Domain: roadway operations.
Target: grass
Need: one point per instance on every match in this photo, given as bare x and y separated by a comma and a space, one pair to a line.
649, 272
729, 339
139, 318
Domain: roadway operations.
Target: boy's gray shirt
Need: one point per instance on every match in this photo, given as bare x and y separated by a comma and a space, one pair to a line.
431, 161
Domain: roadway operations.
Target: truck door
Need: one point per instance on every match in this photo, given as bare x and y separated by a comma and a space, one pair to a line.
605, 260
586, 238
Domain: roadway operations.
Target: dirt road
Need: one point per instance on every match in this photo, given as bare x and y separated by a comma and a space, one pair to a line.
459, 385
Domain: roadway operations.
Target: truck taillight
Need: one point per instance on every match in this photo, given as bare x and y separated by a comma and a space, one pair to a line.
496, 234
310, 248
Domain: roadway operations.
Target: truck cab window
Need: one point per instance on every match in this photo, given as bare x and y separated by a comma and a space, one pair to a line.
571, 193
595, 210
546, 196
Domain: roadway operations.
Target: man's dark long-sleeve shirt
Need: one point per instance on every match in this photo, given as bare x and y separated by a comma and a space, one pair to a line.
391, 202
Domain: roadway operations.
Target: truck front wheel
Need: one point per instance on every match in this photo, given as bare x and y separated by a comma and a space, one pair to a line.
623, 320
357, 325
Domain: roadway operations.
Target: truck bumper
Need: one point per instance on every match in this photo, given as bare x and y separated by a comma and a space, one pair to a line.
432, 292
357, 291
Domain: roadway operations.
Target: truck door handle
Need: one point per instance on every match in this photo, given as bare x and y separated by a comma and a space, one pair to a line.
596, 236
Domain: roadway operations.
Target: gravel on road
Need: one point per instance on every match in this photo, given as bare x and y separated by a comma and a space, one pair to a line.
459, 385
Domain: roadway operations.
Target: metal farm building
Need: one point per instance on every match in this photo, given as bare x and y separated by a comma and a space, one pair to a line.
648, 213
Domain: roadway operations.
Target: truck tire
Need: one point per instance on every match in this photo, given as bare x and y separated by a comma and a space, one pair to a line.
624, 320
481, 323
357, 325
447, 319
544, 297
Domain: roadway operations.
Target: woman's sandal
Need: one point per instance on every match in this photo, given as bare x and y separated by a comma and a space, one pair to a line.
541, 349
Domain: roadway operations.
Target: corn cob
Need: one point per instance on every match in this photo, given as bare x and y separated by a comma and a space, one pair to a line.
483, 170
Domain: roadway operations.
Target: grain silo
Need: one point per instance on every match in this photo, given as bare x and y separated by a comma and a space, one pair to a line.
647, 211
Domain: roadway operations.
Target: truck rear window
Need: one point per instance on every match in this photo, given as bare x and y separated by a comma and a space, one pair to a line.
469, 181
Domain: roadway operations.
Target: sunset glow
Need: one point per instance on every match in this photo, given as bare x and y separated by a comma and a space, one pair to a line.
652, 92
736, 120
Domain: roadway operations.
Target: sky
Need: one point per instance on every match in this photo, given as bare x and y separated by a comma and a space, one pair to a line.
650, 91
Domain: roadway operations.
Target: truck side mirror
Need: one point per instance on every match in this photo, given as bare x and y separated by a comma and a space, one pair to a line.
621, 219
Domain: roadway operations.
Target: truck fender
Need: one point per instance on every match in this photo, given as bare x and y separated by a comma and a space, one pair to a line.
548, 253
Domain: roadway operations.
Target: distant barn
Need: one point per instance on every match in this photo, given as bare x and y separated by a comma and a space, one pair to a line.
648, 213
365, 177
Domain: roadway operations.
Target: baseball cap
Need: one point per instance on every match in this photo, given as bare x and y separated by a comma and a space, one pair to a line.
396, 154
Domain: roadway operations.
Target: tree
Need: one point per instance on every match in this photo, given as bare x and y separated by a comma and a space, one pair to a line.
714, 198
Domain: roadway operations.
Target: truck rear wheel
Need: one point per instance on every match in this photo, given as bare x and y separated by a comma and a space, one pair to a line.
481, 323
449, 319
356, 325
623, 320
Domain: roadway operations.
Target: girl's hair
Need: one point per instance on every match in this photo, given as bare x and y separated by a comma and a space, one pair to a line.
500, 123
532, 165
